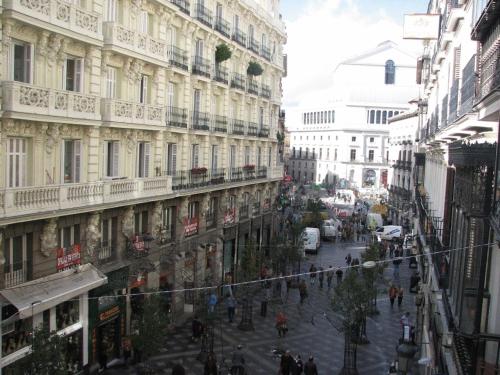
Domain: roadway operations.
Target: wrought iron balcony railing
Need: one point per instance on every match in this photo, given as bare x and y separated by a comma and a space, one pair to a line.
244, 212
201, 66
490, 68
222, 26
17, 273
238, 81
240, 37
253, 45
220, 124
177, 57
221, 74
176, 117
203, 14
264, 131
182, 4
262, 172
200, 120
235, 174
265, 52
468, 91
252, 129
238, 127
253, 88
265, 91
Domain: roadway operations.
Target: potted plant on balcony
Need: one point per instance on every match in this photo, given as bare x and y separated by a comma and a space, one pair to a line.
222, 53
249, 168
199, 171
254, 69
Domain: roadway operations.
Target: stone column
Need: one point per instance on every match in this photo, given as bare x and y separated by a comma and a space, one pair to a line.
93, 138
93, 237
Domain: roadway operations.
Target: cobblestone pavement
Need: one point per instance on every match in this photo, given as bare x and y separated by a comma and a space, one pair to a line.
310, 333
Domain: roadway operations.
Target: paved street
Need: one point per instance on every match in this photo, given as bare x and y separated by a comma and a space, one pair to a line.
309, 332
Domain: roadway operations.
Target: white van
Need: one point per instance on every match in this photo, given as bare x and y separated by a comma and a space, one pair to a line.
389, 232
312, 241
329, 229
374, 221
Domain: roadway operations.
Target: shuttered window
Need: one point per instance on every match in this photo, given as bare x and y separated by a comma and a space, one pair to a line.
111, 158
172, 159
71, 161
456, 63
195, 154
143, 159
17, 162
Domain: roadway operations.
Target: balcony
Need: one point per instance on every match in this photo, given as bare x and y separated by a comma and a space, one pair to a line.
264, 131
197, 177
201, 66
176, 117
211, 220
253, 45
177, 57
243, 211
106, 252
253, 87
117, 35
220, 74
222, 26
249, 172
39, 101
114, 110
262, 172
238, 81
240, 37
217, 176
265, 52
183, 5
454, 90
219, 124
252, 129
237, 127
200, 120
235, 174
265, 91
17, 273
467, 91
203, 14
60, 14
489, 80
45, 199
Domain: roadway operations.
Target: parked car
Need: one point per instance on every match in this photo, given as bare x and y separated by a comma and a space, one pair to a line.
329, 229
311, 239
389, 232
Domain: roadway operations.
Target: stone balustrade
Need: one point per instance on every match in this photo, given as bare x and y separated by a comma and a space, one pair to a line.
132, 112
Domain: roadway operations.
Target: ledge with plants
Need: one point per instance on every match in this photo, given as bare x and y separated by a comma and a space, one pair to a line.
254, 69
199, 171
249, 167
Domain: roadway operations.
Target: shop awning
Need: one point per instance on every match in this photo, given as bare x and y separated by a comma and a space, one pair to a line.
41, 294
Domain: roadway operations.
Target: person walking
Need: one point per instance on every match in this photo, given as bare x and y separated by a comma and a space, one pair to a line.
268, 292
400, 295
393, 292
302, 291
238, 362
231, 307
286, 364
212, 301
348, 260
299, 366
197, 328
321, 277
310, 367
281, 325
178, 370
339, 274
329, 277
211, 365
391, 250
312, 274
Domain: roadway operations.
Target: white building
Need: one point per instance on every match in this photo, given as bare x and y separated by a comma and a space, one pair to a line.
347, 137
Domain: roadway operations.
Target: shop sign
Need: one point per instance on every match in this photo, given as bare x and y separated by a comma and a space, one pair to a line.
109, 313
190, 226
230, 216
67, 258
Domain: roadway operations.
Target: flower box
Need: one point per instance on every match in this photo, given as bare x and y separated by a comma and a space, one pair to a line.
249, 167
199, 171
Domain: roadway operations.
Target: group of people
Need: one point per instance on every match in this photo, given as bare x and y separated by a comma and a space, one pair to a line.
320, 275
295, 366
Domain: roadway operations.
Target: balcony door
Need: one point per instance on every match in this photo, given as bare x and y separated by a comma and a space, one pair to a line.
171, 159
236, 23
197, 101
199, 48
218, 11
215, 158
17, 252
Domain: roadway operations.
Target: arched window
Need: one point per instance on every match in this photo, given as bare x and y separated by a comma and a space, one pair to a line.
390, 72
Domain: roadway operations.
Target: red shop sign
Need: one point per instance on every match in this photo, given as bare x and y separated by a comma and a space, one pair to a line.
190, 226
68, 257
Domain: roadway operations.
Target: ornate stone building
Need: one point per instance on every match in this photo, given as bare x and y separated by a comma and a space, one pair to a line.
131, 159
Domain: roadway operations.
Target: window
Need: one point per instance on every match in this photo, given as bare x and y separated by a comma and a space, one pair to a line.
73, 74
17, 252
313, 152
143, 159
335, 155
168, 221
17, 162
111, 157
321, 138
386, 156
110, 82
372, 117
372, 139
143, 90
269, 156
197, 101
329, 116
378, 117
353, 139
327, 154
328, 137
193, 210
304, 119
307, 152
390, 114
141, 221
353, 154
321, 153
110, 13
68, 237
321, 118
371, 155
384, 117
109, 231
390, 72
195, 153
171, 159
232, 156
71, 161
144, 22
67, 313
215, 157
22, 53
247, 155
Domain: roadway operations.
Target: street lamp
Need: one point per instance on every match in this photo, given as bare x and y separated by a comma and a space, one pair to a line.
370, 265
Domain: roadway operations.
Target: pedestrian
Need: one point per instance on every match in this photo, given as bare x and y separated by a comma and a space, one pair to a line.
329, 277
212, 301
231, 307
283, 290
321, 277
103, 355
299, 366
400, 296
310, 367
286, 364
178, 370
396, 263
393, 292
312, 274
238, 361
197, 328
211, 365
391, 250
339, 274
281, 325
348, 260
302, 291
266, 298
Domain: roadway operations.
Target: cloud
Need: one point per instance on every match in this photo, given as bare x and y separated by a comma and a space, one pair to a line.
326, 33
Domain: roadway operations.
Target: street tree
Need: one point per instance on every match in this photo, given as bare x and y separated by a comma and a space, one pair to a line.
248, 270
351, 301
372, 274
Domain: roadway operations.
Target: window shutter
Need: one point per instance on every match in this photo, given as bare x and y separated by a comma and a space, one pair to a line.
116, 155
27, 62
77, 160
105, 161
174, 158
147, 153
456, 63
79, 75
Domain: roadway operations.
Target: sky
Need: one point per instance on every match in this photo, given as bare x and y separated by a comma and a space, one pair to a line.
322, 33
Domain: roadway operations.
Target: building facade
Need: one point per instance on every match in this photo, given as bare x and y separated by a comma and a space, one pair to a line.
129, 152
346, 140
455, 190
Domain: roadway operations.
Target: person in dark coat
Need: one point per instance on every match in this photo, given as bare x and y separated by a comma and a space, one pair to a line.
211, 365
310, 367
287, 364
299, 366
197, 328
178, 370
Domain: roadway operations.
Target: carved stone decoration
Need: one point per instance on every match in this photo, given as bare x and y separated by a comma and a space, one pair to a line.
55, 44
89, 57
52, 138
2, 255
136, 6
157, 219
93, 234
6, 35
48, 238
43, 43
131, 140
105, 59
128, 222
133, 69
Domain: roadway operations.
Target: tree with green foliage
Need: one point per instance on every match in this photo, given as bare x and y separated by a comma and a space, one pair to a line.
254, 69
371, 275
313, 217
248, 270
222, 53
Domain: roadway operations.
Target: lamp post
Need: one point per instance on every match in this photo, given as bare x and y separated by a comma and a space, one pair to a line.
370, 265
